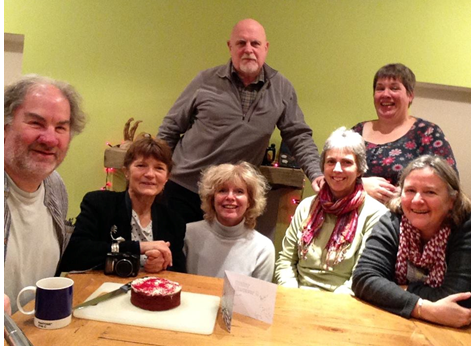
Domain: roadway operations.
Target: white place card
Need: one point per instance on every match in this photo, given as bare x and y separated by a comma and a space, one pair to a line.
247, 296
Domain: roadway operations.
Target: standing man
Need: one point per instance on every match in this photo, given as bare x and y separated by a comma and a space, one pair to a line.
228, 114
41, 116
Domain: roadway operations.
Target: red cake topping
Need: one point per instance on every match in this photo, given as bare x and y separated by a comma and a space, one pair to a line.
155, 294
155, 286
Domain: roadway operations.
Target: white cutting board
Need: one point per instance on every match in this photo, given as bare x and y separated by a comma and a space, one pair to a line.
196, 314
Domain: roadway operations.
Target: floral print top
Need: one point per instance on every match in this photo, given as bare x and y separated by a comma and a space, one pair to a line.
388, 160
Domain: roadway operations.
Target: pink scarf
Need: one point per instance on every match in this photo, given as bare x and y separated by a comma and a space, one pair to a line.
431, 257
346, 210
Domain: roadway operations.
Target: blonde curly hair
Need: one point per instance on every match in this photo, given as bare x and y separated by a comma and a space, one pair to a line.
243, 172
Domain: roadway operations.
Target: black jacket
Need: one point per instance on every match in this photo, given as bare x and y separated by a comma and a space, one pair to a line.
101, 210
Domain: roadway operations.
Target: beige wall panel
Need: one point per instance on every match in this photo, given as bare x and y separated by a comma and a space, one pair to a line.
450, 108
13, 57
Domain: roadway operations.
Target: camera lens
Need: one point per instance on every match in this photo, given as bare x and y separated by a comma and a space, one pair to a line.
123, 268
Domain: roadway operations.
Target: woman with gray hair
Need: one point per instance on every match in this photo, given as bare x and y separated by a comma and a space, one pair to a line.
328, 231
423, 243
232, 196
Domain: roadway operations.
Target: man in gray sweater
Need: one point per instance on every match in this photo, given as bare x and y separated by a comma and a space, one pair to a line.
228, 113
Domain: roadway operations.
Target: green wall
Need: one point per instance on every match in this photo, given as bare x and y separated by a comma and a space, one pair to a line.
133, 58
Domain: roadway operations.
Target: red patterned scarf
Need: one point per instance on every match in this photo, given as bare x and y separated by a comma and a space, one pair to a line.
346, 210
432, 256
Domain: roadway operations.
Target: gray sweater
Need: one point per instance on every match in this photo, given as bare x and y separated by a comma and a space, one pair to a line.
206, 125
212, 248
374, 276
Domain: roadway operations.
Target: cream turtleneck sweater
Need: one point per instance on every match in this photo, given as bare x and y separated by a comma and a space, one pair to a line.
212, 248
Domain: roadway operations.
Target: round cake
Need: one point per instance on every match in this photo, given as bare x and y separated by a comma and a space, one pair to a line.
155, 294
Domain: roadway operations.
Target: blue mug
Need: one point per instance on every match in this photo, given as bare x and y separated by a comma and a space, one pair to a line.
53, 302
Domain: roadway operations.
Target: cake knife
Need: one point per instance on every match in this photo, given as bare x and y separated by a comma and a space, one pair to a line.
122, 290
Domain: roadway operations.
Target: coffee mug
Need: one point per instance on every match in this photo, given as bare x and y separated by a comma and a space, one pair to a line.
53, 302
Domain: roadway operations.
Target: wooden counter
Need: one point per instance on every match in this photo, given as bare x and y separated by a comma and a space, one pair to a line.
302, 317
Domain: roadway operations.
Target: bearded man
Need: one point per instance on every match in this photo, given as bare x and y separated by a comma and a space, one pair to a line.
227, 114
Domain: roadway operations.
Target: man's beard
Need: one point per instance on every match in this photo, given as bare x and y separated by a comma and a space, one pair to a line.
22, 161
249, 69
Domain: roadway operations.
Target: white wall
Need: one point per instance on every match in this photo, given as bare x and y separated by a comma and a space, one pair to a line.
450, 108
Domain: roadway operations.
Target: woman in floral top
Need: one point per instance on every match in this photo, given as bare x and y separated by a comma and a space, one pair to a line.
396, 138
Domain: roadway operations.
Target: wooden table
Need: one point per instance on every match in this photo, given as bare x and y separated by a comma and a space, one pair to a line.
302, 317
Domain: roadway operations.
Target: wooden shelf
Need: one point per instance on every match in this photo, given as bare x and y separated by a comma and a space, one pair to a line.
276, 176
286, 177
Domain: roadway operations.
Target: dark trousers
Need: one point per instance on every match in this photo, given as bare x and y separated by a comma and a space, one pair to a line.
183, 201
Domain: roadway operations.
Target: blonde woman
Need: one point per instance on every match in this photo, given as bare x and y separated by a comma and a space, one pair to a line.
232, 196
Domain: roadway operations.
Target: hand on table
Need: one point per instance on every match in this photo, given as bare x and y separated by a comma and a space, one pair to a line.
379, 188
159, 256
446, 311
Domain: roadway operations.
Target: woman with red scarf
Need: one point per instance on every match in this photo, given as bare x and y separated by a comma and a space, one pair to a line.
328, 231
423, 243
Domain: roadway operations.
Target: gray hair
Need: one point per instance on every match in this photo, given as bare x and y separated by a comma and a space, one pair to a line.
462, 204
15, 93
348, 140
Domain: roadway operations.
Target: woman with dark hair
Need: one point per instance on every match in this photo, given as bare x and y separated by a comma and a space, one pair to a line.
232, 197
396, 137
424, 243
147, 228
328, 231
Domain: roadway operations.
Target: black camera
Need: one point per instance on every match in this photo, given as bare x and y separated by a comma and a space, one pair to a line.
122, 264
